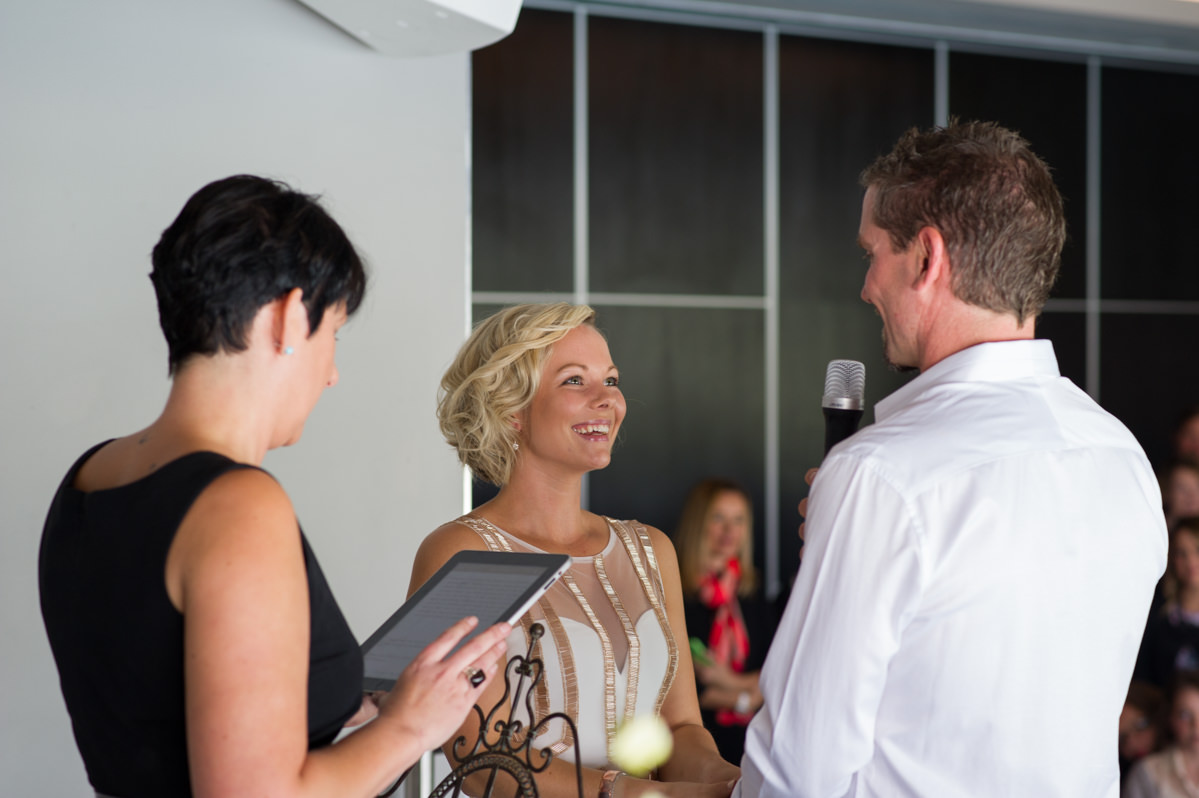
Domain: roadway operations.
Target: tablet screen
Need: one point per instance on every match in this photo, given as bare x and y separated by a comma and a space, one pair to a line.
493, 586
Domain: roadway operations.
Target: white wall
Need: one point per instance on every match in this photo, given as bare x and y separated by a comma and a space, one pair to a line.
111, 114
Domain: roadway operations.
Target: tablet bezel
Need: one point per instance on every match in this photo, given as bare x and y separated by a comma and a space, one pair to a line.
552, 567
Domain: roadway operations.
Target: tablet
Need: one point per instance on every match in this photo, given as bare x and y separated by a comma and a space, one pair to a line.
493, 586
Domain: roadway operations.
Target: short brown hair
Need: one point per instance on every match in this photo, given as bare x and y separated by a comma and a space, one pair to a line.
993, 201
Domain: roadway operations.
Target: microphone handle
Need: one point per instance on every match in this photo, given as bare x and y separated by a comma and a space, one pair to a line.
839, 424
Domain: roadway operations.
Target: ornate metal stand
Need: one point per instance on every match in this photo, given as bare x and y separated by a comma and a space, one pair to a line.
507, 745
510, 748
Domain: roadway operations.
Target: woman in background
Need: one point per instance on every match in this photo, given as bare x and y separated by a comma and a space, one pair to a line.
729, 622
1186, 435
531, 403
1171, 641
1173, 772
199, 648
1180, 490
1142, 724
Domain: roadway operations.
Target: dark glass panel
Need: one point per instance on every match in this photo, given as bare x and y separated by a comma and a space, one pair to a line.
675, 174
1150, 170
522, 174
1068, 332
841, 105
1146, 376
1046, 101
694, 385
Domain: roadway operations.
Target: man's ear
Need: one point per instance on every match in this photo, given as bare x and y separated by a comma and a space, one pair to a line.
290, 320
934, 257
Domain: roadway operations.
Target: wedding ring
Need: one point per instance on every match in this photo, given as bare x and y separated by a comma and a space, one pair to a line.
474, 676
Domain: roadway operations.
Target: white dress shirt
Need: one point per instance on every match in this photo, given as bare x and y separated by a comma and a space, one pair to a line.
977, 572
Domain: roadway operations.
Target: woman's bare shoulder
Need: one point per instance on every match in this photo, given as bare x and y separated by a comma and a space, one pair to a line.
439, 546
455, 535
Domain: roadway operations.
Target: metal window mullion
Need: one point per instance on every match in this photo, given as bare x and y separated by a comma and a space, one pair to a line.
1094, 118
771, 280
582, 272
581, 174
941, 83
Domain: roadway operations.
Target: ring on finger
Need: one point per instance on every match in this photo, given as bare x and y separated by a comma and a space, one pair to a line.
473, 675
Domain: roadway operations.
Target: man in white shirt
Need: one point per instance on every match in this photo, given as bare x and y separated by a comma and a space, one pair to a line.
979, 562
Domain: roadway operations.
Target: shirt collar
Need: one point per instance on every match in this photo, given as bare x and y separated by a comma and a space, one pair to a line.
990, 362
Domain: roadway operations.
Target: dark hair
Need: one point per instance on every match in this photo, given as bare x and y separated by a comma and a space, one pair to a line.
1146, 697
1183, 679
238, 244
991, 198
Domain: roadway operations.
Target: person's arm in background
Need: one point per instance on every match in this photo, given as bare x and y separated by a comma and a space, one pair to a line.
695, 757
724, 688
826, 671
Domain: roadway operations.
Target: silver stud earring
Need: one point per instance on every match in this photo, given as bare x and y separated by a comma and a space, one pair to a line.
287, 350
516, 447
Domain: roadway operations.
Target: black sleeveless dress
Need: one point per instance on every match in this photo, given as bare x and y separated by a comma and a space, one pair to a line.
118, 640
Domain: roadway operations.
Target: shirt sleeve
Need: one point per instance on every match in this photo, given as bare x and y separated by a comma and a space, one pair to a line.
823, 681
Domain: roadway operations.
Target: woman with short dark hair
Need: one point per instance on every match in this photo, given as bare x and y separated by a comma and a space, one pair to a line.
199, 647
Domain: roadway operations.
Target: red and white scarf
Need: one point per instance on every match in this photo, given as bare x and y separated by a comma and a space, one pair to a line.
728, 641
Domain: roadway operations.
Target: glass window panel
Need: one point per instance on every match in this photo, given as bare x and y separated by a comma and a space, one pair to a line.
1046, 101
693, 381
841, 105
1148, 391
522, 173
1150, 169
675, 149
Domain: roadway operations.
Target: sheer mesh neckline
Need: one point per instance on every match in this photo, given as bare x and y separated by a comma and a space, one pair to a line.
602, 591
605, 552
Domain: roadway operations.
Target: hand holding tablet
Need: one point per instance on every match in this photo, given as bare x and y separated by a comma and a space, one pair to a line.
491, 586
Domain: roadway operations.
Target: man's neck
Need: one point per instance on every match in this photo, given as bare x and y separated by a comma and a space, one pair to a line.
970, 326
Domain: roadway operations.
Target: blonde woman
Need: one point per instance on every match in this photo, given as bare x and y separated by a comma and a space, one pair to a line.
531, 403
725, 611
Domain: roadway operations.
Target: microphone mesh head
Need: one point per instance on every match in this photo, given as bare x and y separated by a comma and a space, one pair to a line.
844, 385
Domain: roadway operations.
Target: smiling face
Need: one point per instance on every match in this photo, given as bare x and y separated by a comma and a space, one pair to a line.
1138, 736
726, 526
1182, 491
578, 407
1184, 719
887, 288
1184, 558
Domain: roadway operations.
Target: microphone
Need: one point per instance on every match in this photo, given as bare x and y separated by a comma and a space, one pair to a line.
844, 387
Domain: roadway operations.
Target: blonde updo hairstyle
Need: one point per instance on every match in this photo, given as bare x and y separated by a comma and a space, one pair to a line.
494, 377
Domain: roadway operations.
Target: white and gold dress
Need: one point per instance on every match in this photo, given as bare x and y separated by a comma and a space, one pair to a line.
608, 650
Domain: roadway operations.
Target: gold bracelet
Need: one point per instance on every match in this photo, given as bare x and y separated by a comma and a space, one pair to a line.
610, 777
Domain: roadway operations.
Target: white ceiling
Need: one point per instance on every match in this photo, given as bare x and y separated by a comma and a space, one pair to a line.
1153, 29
